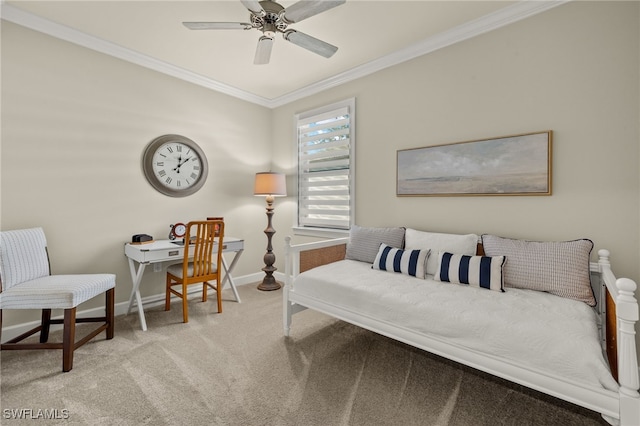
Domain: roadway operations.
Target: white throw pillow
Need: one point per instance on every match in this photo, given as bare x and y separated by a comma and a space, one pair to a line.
437, 242
475, 271
408, 262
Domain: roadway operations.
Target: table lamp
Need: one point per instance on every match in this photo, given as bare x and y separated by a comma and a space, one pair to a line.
271, 184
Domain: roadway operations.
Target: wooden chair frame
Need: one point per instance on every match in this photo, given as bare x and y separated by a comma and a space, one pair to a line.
204, 242
69, 321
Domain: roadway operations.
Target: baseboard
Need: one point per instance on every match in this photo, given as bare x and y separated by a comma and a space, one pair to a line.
16, 330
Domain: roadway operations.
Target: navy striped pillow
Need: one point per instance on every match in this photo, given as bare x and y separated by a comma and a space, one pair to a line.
476, 271
409, 262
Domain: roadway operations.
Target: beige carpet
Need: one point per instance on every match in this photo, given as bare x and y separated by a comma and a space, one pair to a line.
237, 369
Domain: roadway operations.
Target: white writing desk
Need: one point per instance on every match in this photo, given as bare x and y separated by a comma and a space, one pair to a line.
168, 251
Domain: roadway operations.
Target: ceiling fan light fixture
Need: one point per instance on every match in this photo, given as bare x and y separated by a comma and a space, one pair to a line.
269, 30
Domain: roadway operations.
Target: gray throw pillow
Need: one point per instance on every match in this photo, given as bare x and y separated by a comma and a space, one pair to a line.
556, 267
364, 242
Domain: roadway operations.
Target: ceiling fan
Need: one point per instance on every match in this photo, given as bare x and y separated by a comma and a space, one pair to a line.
271, 18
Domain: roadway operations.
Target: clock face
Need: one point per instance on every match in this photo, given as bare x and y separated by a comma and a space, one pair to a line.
179, 229
175, 165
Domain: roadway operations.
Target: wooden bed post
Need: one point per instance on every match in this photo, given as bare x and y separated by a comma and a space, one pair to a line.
627, 312
611, 319
621, 338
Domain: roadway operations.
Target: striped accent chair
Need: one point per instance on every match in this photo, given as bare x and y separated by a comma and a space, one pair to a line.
27, 283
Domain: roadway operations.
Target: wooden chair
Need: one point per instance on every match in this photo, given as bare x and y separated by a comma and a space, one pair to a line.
27, 283
203, 242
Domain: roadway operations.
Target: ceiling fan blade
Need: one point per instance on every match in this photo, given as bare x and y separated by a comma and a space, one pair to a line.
217, 25
310, 43
263, 51
254, 7
306, 8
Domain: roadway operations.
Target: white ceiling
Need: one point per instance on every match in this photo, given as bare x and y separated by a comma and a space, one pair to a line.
370, 35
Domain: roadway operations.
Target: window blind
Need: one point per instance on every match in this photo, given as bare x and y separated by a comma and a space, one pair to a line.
324, 169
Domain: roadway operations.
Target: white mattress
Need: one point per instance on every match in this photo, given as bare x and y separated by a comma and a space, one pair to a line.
540, 330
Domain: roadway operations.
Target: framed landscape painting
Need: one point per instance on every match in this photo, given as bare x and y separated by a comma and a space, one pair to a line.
508, 165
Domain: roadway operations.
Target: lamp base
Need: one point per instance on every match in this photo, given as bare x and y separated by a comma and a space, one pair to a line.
269, 283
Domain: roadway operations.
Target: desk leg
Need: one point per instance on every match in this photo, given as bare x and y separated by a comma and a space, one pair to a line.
227, 276
136, 278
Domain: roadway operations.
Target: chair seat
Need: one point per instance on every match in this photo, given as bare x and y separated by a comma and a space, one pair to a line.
176, 269
56, 291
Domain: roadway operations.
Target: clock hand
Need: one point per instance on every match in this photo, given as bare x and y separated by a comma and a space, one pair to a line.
180, 163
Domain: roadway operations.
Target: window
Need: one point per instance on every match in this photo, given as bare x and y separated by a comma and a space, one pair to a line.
326, 166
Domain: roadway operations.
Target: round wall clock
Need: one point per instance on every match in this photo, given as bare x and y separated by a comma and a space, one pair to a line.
175, 165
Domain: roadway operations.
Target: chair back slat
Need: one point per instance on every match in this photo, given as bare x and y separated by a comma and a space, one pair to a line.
23, 256
202, 236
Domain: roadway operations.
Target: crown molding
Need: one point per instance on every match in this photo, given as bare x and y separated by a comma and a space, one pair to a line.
521, 10
17, 16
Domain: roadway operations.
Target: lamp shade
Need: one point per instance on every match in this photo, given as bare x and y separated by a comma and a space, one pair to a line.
270, 183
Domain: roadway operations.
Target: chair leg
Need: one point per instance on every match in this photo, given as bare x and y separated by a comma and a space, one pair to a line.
219, 295
167, 297
68, 339
204, 291
185, 305
110, 312
45, 323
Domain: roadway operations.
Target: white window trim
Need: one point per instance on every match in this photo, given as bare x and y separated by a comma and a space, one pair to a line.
328, 232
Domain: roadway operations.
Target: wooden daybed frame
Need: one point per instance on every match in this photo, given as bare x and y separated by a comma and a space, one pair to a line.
619, 315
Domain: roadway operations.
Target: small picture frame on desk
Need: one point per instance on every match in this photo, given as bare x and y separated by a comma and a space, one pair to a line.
217, 230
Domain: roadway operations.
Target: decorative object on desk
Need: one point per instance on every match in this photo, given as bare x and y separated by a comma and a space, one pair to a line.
508, 165
202, 268
27, 283
270, 184
175, 165
177, 231
216, 218
141, 239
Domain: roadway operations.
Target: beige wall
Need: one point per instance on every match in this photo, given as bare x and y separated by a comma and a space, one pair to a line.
573, 70
75, 123
74, 126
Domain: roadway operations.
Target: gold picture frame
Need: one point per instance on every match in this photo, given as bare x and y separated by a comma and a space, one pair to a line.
506, 165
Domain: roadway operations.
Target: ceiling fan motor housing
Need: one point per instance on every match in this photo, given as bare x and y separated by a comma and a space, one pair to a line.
271, 20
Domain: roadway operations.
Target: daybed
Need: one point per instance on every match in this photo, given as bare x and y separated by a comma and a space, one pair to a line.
536, 313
